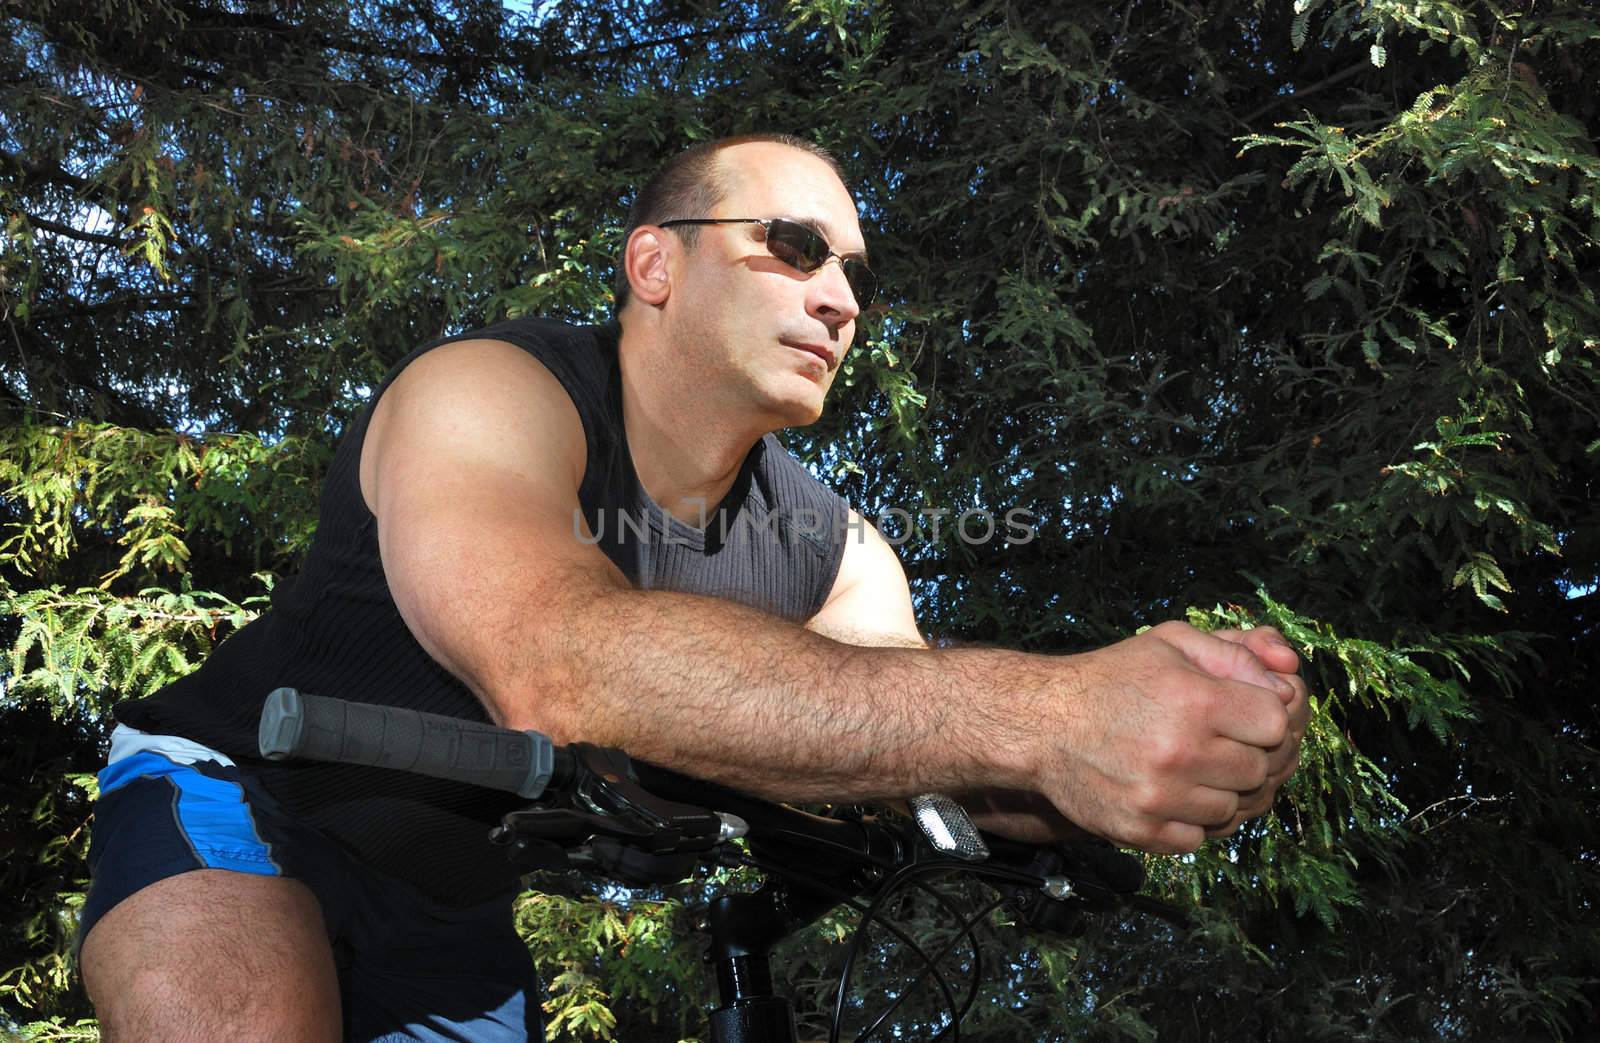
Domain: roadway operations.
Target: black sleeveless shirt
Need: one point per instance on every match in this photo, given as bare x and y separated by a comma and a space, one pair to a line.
774, 543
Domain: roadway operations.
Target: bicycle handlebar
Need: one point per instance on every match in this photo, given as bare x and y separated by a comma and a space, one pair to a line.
595, 809
599, 810
325, 729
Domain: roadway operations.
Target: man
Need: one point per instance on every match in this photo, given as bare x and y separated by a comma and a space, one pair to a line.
462, 565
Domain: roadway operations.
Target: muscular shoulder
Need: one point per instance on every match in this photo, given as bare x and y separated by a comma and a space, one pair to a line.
469, 402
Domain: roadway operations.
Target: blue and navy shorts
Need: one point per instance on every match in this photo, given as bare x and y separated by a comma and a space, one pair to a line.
410, 968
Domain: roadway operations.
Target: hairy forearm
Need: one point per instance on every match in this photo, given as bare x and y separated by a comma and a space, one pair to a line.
1152, 742
722, 691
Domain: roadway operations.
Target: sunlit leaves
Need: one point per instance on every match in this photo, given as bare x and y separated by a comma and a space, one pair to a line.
1298, 292
145, 492
596, 955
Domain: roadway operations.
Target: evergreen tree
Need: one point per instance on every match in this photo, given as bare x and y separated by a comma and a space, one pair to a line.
1265, 312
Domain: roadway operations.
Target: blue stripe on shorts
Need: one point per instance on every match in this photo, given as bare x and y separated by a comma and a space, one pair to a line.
211, 814
410, 968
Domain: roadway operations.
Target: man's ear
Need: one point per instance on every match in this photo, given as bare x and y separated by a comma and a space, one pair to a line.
646, 261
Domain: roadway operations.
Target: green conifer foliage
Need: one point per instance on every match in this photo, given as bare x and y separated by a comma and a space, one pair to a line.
1264, 312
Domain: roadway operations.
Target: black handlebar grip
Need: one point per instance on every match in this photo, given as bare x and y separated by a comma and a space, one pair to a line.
320, 728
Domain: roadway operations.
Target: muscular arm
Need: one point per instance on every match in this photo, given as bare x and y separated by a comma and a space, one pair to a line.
471, 467
871, 605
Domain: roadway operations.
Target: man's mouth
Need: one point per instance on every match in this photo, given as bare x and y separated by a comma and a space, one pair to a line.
815, 349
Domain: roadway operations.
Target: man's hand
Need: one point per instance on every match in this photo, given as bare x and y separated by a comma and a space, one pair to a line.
1173, 735
1278, 656
1030, 818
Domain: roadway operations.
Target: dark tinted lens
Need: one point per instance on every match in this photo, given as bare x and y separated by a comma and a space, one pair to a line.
796, 245
862, 282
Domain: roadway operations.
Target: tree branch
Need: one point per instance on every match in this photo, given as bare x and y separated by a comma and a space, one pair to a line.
68, 232
661, 41
39, 173
140, 302
1316, 88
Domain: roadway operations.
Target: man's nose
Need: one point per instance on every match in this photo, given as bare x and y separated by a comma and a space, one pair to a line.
832, 299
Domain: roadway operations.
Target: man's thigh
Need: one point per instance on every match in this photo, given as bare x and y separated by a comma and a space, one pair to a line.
213, 954
209, 902
192, 928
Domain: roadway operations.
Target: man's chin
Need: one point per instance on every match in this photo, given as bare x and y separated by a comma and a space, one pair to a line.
807, 418
792, 410
803, 415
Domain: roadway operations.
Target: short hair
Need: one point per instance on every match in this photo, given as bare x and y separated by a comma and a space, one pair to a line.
691, 184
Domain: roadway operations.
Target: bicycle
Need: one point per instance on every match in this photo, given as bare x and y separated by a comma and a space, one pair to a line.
595, 810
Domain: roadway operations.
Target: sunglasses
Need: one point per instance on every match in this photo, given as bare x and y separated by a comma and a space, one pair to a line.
800, 248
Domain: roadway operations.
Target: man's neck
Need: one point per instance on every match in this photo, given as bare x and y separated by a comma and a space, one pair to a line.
686, 452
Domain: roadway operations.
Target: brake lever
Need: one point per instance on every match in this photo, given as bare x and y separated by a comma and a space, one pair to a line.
604, 820
607, 785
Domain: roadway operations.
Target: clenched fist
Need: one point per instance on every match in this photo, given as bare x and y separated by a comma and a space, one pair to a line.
1164, 739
